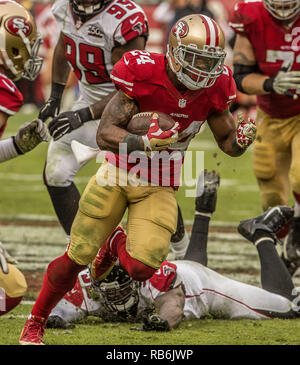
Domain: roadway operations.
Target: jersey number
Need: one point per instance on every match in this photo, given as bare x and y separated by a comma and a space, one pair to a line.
91, 61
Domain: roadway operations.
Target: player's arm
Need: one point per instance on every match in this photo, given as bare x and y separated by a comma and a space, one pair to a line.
27, 138
112, 129
68, 121
166, 312
60, 74
170, 306
232, 139
246, 73
250, 80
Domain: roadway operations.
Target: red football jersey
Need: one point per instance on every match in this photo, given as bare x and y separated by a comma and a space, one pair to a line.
143, 76
274, 47
11, 99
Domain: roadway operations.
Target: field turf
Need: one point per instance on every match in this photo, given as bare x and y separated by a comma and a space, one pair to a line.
30, 232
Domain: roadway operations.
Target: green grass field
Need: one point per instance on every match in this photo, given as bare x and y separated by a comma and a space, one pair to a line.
23, 197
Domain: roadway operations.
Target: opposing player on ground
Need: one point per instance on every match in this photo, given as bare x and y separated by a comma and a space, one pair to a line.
19, 48
187, 289
94, 35
192, 85
267, 64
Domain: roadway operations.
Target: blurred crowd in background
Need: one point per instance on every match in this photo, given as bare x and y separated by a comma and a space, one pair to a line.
162, 14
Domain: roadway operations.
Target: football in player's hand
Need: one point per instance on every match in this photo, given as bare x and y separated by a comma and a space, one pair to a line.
140, 123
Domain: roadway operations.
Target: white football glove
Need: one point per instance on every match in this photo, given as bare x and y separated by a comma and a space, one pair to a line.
245, 132
285, 81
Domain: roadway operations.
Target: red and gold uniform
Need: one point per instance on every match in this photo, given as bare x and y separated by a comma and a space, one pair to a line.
276, 149
11, 99
152, 208
12, 289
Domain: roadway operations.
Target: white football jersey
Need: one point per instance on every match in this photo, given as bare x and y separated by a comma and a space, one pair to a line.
210, 293
88, 45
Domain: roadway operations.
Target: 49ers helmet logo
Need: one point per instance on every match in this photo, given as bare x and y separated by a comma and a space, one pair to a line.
180, 28
16, 23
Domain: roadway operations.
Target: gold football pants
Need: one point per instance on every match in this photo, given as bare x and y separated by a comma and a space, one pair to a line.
13, 283
152, 217
276, 158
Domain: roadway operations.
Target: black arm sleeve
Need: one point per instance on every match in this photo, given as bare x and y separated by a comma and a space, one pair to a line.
241, 71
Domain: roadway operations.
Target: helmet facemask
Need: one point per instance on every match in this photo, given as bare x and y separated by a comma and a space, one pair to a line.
199, 68
282, 9
119, 293
87, 8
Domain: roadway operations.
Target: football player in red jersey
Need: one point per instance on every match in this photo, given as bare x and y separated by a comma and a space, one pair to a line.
20, 44
93, 36
19, 48
267, 64
192, 85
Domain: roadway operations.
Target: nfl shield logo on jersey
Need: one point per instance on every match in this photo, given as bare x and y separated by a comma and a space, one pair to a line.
182, 103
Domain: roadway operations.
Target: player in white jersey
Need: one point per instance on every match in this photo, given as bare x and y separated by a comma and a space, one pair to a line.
186, 289
94, 35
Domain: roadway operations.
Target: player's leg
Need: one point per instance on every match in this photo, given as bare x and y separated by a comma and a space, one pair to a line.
152, 217
12, 289
60, 169
100, 211
271, 162
291, 247
206, 200
180, 239
261, 231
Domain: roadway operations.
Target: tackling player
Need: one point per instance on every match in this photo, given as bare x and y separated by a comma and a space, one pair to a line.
186, 289
267, 64
192, 85
19, 48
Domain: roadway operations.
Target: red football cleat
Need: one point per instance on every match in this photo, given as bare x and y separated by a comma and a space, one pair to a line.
105, 259
33, 331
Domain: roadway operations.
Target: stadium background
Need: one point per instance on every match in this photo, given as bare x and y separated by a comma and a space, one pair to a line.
30, 231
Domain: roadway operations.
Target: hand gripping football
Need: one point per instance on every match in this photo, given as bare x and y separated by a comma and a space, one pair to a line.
140, 123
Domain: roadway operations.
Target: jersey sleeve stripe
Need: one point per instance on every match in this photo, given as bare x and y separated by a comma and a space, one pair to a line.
7, 111
121, 81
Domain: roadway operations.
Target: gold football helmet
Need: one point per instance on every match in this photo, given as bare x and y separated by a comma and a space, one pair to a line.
196, 51
19, 42
283, 9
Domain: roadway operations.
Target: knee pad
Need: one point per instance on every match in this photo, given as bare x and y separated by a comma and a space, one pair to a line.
264, 164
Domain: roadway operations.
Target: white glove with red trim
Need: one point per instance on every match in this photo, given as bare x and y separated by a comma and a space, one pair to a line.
156, 139
245, 132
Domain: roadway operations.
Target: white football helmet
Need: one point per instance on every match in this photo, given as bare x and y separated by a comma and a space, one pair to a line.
282, 9
19, 42
196, 51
